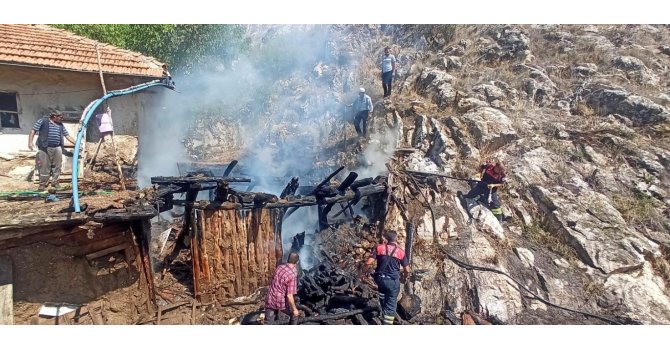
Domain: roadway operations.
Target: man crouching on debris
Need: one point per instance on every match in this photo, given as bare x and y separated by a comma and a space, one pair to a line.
492, 177
49, 144
389, 258
282, 289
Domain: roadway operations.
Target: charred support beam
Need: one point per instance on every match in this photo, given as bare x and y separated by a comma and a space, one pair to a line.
142, 232
230, 168
182, 180
295, 203
316, 189
290, 188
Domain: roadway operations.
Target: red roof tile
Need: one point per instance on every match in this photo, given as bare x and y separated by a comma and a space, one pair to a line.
45, 46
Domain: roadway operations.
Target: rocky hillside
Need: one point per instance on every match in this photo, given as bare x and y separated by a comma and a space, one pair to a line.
578, 113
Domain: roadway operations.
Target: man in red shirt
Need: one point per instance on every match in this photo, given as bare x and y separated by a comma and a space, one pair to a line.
282, 289
389, 258
493, 176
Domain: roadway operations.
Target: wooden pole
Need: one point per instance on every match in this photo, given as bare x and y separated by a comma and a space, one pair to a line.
122, 179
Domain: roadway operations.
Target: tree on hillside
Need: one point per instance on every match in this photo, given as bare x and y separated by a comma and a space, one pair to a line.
183, 47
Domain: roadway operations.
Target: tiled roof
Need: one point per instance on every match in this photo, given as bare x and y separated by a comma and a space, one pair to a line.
45, 46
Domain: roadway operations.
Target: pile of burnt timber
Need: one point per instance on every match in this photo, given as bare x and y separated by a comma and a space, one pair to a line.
328, 295
235, 236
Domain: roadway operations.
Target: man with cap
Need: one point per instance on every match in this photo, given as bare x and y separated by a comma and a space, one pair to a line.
362, 110
49, 160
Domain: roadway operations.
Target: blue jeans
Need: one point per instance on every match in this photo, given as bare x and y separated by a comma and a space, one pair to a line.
389, 289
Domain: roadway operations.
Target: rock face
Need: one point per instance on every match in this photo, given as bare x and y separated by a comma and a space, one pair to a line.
510, 43
596, 230
438, 84
642, 295
490, 127
640, 110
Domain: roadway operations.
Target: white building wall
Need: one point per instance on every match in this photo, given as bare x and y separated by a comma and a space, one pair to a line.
41, 89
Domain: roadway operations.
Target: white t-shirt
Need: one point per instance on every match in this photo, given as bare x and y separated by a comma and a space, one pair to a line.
387, 63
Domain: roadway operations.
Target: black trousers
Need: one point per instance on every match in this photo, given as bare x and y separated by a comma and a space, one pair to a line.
481, 193
362, 119
387, 81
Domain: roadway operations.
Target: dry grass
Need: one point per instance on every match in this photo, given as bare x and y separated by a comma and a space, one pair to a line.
594, 289
639, 210
661, 266
584, 110
537, 234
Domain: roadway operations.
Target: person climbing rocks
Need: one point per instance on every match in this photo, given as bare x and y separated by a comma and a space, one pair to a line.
486, 191
283, 287
362, 107
50, 144
388, 71
389, 258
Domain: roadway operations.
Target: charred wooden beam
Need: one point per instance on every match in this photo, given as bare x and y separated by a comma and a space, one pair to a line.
179, 180
125, 214
230, 168
316, 189
41, 220
142, 232
294, 203
169, 189
330, 317
290, 188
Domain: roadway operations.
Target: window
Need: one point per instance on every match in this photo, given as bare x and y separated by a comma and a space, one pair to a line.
9, 110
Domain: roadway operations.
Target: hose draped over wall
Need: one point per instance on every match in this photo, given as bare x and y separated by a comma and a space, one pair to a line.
86, 115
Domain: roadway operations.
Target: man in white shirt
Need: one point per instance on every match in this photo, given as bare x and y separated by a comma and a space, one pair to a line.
362, 110
388, 71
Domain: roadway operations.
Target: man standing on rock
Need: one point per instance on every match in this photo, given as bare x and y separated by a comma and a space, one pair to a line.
282, 289
388, 71
362, 110
387, 276
50, 147
492, 177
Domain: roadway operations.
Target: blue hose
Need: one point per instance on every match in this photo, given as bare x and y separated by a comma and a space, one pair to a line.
88, 112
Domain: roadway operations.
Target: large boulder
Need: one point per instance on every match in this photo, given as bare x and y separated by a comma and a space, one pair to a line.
629, 63
636, 70
489, 127
510, 43
497, 296
642, 294
587, 222
436, 84
438, 145
640, 110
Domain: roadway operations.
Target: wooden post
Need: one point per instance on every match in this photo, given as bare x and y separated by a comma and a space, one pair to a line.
122, 179
6, 292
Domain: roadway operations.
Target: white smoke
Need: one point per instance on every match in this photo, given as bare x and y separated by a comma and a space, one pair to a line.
284, 97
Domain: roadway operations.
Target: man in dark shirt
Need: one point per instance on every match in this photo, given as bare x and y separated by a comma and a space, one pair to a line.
389, 258
49, 144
